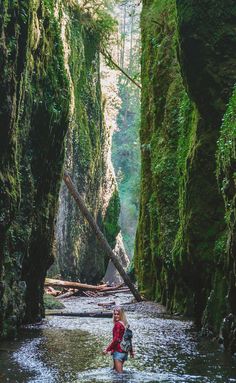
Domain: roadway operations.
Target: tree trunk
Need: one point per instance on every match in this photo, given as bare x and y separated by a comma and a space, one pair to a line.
100, 236
110, 59
73, 285
95, 314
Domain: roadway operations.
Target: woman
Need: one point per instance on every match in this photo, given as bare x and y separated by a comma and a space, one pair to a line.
119, 356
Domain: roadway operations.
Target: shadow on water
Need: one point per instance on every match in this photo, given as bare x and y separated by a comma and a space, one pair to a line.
68, 350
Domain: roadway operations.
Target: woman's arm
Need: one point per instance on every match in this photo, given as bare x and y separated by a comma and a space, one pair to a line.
116, 337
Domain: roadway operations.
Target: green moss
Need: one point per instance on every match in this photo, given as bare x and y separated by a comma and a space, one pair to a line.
78, 247
52, 303
205, 30
226, 160
80, 255
110, 223
35, 127
34, 110
159, 125
226, 147
216, 307
181, 237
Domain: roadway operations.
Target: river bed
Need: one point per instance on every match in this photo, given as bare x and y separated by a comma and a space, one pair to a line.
69, 349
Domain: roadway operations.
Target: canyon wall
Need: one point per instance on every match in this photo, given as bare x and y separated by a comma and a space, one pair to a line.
185, 254
50, 104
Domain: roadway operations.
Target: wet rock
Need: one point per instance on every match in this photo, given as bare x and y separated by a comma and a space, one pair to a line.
228, 331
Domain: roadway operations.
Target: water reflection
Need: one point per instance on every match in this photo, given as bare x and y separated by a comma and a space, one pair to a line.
68, 350
133, 376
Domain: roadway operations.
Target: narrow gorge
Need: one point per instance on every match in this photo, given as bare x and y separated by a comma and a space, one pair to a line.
55, 116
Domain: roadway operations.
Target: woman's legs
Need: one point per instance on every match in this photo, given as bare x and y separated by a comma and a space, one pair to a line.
118, 365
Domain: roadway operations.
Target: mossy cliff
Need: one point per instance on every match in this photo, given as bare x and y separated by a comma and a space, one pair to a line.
36, 106
226, 173
79, 254
34, 120
188, 67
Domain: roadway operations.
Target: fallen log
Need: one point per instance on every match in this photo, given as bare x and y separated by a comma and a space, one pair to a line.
68, 294
115, 260
111, 289
99, 314
107, 304
90, 294
110, 293
73, 285
51, 291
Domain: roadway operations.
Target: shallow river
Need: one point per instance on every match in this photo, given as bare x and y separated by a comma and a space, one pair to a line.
68, 349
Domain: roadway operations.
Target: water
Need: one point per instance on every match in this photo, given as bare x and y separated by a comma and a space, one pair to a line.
69, 350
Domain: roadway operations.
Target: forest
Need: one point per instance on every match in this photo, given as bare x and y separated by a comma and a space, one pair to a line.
117, 188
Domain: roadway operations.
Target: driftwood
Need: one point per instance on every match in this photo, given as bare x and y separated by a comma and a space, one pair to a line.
107, 304
91, 294
108, 293
114, 289
95, 314
74, 288
51, 291
73, 285
68, 294
100, 237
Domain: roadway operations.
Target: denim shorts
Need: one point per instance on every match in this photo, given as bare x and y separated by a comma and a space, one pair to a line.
122, 356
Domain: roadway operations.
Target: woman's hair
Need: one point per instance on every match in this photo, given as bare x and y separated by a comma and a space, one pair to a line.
122, 314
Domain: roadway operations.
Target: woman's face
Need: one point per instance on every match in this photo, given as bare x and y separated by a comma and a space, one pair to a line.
116, 315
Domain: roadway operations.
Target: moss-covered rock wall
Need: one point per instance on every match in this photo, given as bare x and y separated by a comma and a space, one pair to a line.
49, 80
34, 119
188, 73
222, 302
79, 255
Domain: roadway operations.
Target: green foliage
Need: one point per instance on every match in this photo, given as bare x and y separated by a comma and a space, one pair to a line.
226, 153
96, 15
105, 26
110, 222
52, 303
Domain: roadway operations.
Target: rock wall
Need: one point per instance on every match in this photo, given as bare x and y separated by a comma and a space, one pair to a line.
188, 73
34, 120
222, 302
87, 150
50, 95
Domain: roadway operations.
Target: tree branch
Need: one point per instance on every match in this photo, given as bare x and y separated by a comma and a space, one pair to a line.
109, 58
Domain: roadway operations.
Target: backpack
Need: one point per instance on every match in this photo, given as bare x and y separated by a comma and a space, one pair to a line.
126, 342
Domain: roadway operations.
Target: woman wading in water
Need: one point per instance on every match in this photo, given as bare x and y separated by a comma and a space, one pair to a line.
119, 356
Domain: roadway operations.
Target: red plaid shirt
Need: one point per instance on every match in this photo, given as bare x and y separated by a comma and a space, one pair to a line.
118, 332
